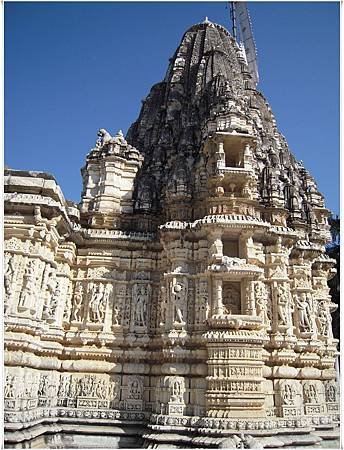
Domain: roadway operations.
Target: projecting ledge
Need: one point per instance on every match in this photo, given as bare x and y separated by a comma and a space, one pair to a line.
236, 322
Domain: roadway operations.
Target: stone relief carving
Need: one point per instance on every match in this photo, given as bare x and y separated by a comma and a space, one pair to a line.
78, 308
284, 305
99, 298
310, 394
324, 319
9, 279
141, 298
54, 300
27, 297
162, 306
304, 313
135, 387
178, 291
261, 301
331, 391
9, 273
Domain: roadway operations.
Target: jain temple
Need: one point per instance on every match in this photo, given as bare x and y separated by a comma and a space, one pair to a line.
183, 303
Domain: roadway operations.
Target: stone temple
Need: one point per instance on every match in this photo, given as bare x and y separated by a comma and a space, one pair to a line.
184, 301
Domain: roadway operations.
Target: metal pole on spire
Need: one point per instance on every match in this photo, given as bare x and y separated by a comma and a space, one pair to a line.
233, 19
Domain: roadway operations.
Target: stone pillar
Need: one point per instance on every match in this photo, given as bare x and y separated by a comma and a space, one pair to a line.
220, 157
247, 156
215, 245
235, 377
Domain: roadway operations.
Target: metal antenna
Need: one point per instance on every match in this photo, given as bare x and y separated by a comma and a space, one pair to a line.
246, 35
233, 19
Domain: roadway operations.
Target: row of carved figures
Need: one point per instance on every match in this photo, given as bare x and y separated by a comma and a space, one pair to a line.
65, 389
34, 384
295, 393
91, 300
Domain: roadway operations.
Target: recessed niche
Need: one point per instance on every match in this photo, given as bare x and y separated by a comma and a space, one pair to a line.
230, 247
231, 297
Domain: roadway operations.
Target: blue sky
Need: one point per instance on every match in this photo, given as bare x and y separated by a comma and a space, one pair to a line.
72, 68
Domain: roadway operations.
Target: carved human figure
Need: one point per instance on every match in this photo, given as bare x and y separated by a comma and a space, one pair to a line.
288, 394
114, 391
9, 274
162, 306
9, 389
331, 392
231, 300
116, 317
50, 288
101, 389
178, 294
284, 307
261, 299
176, 389
135, 388
54, 301
96, 305
68, 305
141, 293
303, 313
64, 386
78, 306
310, 393
324, 320
43, 385
29, 285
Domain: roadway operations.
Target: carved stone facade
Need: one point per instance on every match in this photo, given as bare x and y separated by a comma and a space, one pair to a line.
187, 292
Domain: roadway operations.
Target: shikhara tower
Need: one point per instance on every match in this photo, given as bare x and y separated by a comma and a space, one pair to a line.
187, 293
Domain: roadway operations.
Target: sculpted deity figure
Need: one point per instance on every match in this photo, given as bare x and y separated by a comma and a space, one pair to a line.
9, 389
135, 388
101, 389
288, 394
54, 301
78, 306
310, 393
9, 274
177, 389
64, 386
117, 317
324, 320
284, 306
43, 385
68, 305
141, 293
97, 306
331, 391
29, 284
50, 288
178, 294
261, 298
303, 313
162, 306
